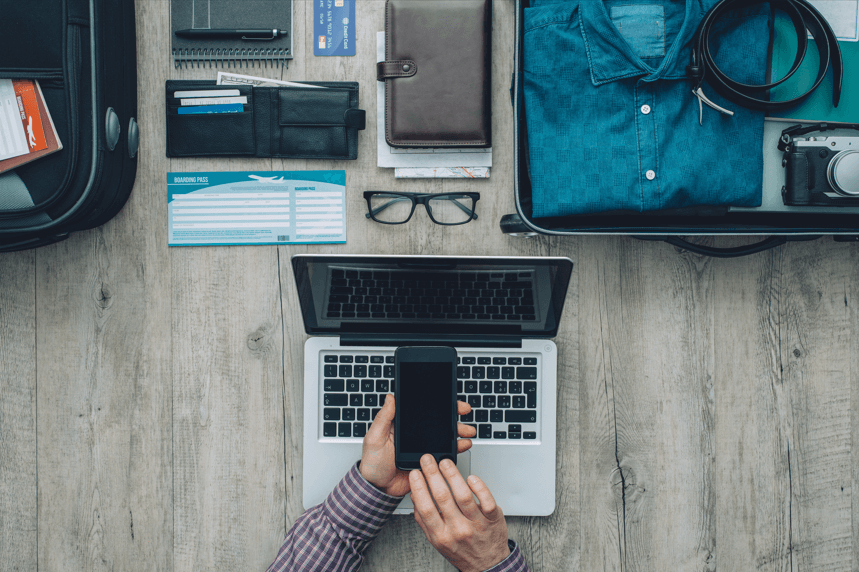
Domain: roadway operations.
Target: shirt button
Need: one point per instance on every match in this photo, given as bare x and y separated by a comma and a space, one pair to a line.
645, 109
650, 175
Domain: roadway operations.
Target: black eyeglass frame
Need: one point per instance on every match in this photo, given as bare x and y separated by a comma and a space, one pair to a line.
421, 198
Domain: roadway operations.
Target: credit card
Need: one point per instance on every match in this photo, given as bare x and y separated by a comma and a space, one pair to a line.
230, 108
207, 93
214, 100
334, 27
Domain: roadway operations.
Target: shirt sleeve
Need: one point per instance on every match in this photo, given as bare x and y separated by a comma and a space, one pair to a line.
513, 563
333, 536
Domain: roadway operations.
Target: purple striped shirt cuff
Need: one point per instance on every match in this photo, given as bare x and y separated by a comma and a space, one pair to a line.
358, 508
513, 563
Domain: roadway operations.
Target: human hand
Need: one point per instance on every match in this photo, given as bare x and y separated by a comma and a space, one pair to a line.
377, 454
472, 537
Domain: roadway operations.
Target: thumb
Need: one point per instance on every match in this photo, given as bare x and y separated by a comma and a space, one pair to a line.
381, 426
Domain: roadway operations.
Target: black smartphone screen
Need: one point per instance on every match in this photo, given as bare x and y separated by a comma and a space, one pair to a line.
423, 406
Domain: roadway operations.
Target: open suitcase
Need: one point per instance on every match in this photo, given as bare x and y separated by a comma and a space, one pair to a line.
773, 221
83, 53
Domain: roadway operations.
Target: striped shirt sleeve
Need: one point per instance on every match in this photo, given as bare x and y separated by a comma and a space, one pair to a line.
333, 536
513, 563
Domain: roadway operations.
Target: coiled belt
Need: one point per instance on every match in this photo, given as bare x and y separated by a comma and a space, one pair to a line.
804, 17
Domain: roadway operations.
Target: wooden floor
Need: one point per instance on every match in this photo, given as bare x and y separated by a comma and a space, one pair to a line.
151, 398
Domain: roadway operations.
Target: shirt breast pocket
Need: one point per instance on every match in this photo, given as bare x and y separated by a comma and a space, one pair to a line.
643, 28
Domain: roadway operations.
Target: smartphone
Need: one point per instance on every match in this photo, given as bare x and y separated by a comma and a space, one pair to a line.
425, 419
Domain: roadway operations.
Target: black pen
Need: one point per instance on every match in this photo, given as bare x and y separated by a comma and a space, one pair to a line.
208, 33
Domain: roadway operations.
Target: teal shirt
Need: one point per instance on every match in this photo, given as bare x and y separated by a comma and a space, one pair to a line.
612, 122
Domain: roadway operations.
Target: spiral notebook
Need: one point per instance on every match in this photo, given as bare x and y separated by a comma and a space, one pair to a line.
231, 14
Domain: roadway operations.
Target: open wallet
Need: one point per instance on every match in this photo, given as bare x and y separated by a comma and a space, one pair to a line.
319, 122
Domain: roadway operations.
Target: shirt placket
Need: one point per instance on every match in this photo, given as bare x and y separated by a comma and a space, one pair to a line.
648, 143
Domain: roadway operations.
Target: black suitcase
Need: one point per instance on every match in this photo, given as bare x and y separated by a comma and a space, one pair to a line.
776, 227
83, 53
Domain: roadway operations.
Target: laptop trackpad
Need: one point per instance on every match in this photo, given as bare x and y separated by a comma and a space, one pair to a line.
463, 463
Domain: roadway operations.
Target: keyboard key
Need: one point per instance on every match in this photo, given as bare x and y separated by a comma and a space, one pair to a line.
508, 373
468, 360
515, 428
518, 402
474, 400
481, 416
333, 385
356, 400
389, 371
485, 387
500, 387
499, 435
483, 431
377, 359
329, 429
515, 387
493, 372
330, 371
522, 372
504, 401
375, 412
463, 371
363, 414
362, 359
530, 434
461, 398
375, 371
331, 414
381, 386
335, 399
459, 387
360, 371
484, 360
514, 435
496, 416
345, 359
477, 372
531, 392
515, 361
349, 413
471, 386
371, 400
488, 401
359, 429
367, 386
330, 359
389, 359
499, 361
353, 385
530, 361
344, 429
469, 418
345, 371
522, 416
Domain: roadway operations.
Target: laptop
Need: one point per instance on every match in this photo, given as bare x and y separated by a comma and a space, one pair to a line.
498, 312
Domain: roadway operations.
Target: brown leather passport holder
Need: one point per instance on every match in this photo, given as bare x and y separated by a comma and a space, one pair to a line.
437, 73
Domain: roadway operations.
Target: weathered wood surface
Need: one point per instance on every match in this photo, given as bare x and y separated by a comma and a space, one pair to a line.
709, 407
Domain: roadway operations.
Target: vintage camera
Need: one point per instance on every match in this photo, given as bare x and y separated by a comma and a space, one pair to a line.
821, 171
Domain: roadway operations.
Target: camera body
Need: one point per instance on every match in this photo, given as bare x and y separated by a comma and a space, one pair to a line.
822, 171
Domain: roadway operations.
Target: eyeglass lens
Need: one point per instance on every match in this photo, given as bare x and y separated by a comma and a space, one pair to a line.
451, 209
390, 208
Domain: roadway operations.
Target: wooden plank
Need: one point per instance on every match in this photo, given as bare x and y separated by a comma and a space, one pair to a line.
18, 509
646, 362
784, 387
105, 481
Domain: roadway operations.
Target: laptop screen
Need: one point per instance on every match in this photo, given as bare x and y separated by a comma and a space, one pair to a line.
432, 294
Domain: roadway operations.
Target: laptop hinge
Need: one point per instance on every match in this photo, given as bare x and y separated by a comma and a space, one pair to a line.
462, 341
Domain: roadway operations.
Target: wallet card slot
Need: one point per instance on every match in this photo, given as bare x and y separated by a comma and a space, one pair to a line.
311, 141
309, 106
210, 134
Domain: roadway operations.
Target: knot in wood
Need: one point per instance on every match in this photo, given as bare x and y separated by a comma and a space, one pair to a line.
259, 340
103, 296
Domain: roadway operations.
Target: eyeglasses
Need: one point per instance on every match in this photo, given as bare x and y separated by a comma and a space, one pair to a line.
442, 208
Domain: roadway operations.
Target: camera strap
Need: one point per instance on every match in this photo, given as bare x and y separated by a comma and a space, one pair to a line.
805, 18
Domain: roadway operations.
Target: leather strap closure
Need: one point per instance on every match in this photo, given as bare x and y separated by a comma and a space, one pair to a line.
804, 17
355, 118
395, 68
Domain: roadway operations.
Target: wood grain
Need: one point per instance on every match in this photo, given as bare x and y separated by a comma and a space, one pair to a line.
18, 508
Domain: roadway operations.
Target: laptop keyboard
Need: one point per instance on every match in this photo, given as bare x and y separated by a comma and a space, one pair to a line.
502, 392
412, 295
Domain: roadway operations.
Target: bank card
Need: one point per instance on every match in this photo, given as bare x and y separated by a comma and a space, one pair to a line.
213, 100
207, 93
229, 108
334, 27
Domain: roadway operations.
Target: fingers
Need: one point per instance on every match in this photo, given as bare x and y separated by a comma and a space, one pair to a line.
461, 493
466, 430
463, 408
438, 487
487, 501
424, 505
383, 423
463, 445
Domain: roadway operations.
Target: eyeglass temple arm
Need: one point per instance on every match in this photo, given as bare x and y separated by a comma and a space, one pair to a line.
464, 208
380, 208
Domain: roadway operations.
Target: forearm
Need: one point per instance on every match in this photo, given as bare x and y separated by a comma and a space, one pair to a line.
513, 563
333, 536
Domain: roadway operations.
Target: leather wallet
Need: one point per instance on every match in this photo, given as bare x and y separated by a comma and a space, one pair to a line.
437, 73
284, 122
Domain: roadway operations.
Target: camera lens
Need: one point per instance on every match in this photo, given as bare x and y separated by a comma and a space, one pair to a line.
843, 173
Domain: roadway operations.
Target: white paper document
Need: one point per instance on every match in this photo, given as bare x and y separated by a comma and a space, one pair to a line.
13, 139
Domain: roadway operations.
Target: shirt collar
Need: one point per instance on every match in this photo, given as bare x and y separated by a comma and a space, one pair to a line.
610, 57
